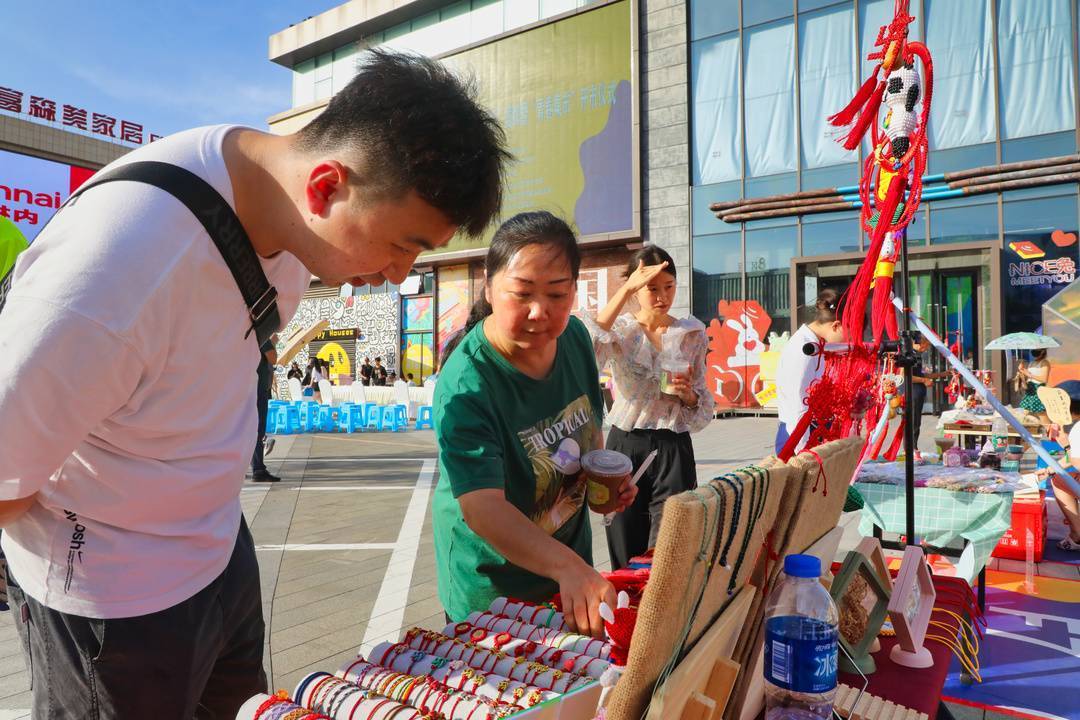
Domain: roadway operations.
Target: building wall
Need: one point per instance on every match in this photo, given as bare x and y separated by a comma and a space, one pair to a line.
665, 145
28, 138
764, 77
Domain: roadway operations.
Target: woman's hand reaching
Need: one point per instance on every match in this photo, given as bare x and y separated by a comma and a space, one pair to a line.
581, 590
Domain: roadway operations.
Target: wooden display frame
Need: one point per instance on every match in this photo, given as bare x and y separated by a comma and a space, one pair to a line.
701, 684
574, 705
855, 566
910, 607
870, 548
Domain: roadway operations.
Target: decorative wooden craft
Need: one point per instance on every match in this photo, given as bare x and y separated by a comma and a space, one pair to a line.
809, 511
870, 707
863, 601
871, 548
909, 609
699, 687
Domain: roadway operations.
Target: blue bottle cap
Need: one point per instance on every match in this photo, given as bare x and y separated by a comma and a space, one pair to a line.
804, 566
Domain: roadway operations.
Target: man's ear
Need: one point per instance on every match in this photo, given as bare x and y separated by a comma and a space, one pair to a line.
325, 180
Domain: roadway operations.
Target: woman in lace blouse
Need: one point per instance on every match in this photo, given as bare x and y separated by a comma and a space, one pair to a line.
638, 346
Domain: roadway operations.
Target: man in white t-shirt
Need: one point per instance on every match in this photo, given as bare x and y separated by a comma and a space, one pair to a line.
133, 577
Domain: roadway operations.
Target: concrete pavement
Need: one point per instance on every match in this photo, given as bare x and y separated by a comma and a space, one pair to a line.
344, 544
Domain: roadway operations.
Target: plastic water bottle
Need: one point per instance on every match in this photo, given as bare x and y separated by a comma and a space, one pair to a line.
800, 644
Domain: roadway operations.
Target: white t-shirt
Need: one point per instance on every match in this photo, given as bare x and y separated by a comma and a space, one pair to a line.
110, 407
794, 373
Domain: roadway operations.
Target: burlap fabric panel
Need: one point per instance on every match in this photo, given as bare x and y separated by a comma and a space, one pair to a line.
697, 527
809, 508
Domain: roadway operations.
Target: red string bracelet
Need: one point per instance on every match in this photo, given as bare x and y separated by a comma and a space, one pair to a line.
279, 697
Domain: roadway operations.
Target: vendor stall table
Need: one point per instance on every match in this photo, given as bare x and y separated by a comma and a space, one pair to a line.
942, 517
913, 688
976, 431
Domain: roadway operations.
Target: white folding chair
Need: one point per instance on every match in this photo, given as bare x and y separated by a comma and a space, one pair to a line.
401, 397
296, 391
326, 391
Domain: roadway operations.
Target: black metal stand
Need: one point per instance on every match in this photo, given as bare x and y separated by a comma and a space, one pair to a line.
906, 359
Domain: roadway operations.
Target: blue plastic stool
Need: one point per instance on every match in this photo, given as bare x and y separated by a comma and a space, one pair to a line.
325, 422
424, 417
394, 416
351, 417
291, 415
274, 419
309, 416
373, 417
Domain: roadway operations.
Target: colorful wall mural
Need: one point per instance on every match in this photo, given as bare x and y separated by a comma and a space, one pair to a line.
736, 346
454, 301
376, 317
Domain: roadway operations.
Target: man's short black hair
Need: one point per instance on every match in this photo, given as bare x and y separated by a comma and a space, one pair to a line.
417, 126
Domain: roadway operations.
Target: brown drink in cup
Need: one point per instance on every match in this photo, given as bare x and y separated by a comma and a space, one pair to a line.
606, 471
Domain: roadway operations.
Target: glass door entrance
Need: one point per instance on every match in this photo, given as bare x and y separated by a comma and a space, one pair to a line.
946, 300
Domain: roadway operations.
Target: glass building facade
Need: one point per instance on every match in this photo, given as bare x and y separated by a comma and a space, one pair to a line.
766, 74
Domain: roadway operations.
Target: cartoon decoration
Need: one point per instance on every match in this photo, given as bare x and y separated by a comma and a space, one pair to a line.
894, 168
735, 351
853, 390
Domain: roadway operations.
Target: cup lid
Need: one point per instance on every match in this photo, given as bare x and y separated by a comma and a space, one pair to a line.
607, 462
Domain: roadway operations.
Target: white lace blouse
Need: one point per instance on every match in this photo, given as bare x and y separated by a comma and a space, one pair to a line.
635, 366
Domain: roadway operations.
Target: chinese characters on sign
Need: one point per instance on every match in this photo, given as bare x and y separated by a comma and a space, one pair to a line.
41, 108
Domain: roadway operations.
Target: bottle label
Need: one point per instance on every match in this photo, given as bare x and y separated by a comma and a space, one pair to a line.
800, 654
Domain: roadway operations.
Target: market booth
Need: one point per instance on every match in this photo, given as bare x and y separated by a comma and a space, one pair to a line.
686, 641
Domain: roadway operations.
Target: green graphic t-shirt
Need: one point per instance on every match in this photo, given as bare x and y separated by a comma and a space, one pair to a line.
498, 428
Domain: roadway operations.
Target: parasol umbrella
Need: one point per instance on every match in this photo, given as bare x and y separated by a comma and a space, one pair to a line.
1023, 341
300, 337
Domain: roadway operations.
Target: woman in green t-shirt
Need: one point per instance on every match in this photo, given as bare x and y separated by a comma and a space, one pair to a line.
517, 405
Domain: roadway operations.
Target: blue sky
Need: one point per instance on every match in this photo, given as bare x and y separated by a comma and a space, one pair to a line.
166, 64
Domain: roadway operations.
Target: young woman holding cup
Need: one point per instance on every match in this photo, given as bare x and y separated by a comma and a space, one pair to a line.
658, 363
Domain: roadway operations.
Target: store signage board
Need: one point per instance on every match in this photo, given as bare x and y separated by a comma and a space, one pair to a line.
40, 109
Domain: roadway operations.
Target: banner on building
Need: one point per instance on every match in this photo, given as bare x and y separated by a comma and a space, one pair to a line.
566, 96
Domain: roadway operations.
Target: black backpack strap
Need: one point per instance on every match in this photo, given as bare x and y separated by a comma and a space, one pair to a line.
5, 285
221, 224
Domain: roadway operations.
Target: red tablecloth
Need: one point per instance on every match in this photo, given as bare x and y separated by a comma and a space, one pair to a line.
916, 689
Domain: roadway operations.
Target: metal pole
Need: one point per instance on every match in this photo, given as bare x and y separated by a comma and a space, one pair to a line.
906, 359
